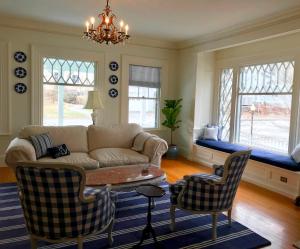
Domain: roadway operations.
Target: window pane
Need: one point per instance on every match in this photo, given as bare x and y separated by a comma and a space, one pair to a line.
153, 93
265, 97
63, 105
143, 92
133, 91
225, 102
263, 116
143, 112
69, 72
267, 78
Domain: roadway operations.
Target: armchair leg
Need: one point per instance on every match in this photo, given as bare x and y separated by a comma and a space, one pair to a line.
229, 216
214, 226
80, 243
33, 243
172, 214
109, 233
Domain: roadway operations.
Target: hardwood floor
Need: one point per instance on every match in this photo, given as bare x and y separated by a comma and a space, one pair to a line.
271, 215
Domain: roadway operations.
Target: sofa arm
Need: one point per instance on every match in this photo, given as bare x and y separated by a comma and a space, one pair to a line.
154, 148
19, 150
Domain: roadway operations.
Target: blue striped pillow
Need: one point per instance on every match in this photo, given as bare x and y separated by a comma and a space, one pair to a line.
41, 143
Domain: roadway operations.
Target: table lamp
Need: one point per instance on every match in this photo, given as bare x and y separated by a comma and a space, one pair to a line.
94, 102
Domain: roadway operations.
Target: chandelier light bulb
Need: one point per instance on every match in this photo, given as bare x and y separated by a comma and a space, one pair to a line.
107, 20
126, 29
121, 24
87, 26
92, 20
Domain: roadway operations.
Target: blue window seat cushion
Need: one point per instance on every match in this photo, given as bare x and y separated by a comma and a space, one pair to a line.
272, 158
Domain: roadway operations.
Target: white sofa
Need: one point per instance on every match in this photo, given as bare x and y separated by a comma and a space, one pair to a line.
91, 147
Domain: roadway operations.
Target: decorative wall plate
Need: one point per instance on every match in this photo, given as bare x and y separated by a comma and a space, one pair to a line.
20, 88
113, 92
113, 66
20, 56
20, 72
113, 79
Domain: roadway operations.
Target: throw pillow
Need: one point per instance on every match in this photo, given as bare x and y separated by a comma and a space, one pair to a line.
210, 133
296, 154
58, 151
140, 140
220, 130
41, 143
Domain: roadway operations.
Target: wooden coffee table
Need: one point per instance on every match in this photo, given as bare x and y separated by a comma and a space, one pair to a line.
125, 177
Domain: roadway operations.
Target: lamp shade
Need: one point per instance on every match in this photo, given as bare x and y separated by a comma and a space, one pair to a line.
94, 100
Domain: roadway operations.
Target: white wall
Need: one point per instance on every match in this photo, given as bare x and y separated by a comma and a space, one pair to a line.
185, 89
196, 88
22, 39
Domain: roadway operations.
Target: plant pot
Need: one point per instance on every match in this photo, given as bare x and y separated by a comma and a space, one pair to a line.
172, 152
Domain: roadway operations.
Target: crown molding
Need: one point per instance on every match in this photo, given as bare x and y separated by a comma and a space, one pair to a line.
16, 22
271, 26
264, 28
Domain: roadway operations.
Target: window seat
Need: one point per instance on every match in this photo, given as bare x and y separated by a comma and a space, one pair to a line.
275, 159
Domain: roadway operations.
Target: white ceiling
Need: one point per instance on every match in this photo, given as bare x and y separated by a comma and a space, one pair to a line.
173, 20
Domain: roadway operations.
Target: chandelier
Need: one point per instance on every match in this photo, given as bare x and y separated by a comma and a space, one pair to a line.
106, 31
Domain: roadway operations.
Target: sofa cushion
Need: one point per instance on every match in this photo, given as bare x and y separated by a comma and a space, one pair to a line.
119, 136
77, 158
117, 156
75, 137
221, 146
268, 157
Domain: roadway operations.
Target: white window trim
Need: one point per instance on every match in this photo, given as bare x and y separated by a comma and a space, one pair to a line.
238, 62
38, 52
5, 92
148, 62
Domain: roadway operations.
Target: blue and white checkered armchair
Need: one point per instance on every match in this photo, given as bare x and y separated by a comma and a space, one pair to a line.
58, 207
212, 194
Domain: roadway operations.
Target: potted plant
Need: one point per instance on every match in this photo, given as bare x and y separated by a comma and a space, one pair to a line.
171, 111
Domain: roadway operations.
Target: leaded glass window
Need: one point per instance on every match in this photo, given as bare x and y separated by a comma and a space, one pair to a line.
65, 89
264, 105
225, 96
68, 72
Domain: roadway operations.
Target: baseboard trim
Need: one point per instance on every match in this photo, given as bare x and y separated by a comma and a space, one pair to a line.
268, 187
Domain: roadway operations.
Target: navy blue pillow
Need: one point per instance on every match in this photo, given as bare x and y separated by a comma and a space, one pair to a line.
58, 151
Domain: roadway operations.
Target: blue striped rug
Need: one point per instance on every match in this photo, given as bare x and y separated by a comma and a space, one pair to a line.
193, 231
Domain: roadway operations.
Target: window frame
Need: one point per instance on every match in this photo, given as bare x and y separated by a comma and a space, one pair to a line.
236, 63
52, 81
147, 62
5, 93
38, 52
157, 99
